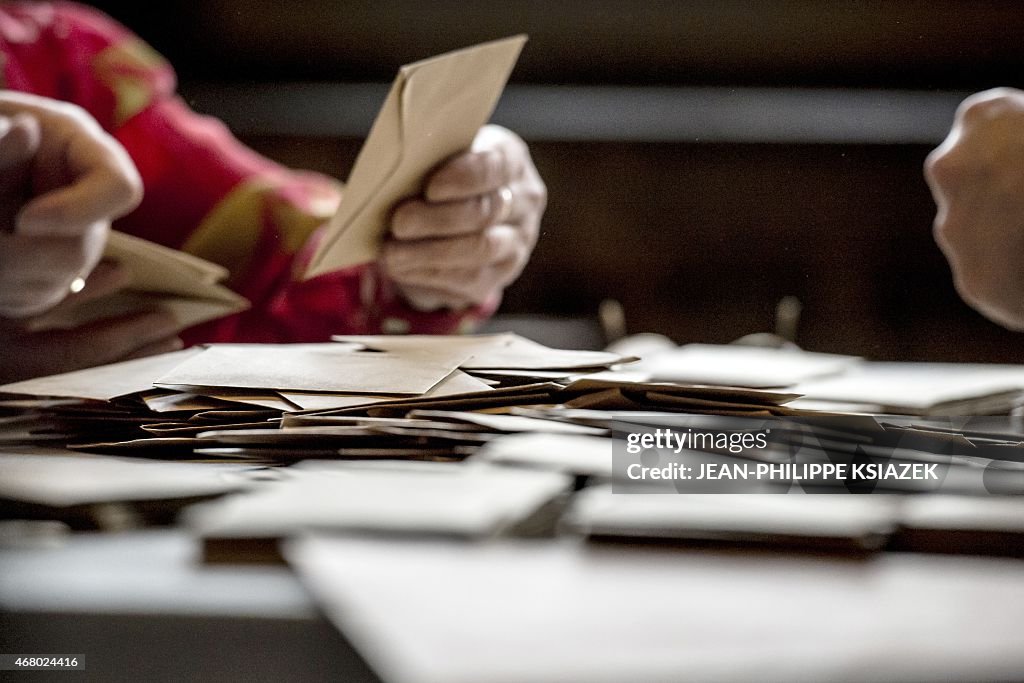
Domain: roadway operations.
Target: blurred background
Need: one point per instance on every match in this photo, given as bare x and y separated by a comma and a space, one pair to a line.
704, 159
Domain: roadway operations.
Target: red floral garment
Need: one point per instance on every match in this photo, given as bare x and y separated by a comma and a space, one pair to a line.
205, 192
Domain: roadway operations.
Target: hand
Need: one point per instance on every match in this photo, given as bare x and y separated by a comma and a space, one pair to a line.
472, 232
977, 179
27, 353
62, 181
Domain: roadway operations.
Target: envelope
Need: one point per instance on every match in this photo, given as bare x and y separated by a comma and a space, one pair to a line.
433, 111
103, 382
278, 368
456, 383
161, 279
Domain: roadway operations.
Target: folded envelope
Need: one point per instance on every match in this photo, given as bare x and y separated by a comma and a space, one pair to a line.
433, 111
456, 383
104, 382
277, 367
161, 279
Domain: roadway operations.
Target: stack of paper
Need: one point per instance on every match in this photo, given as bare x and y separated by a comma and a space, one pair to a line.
106, 402
506, 404
228, 400
358, 397
920, 388
836, 383
416, 397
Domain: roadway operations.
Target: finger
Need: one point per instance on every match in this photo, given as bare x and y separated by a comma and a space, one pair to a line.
36, 272
427, 299
987, 104
937, 175
501, 162
22, 257
494, 244
19, 140
101, 195
107, 278
105, 184
471, 283
416, 219
946, 166
462, 286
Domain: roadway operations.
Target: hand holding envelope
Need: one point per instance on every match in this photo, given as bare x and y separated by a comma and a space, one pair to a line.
62, 181
134, 304
461, 226
31, 349
471, 232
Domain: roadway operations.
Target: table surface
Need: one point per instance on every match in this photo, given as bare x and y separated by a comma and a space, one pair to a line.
141, 605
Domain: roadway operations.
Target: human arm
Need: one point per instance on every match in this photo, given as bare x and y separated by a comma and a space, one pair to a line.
208, 194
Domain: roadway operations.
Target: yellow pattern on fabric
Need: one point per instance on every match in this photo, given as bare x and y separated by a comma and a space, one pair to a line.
230, 232
468, 325
127, 68
295, 224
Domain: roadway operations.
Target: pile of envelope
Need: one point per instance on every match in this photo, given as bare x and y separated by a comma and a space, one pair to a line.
480, 435
357, 397
838, 383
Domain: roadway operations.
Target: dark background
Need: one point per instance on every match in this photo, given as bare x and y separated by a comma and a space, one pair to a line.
698, 229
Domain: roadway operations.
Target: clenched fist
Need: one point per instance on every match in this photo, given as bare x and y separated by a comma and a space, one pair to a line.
471, 233
977, 179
